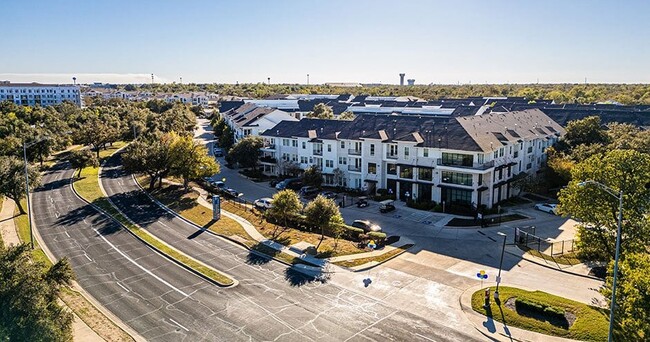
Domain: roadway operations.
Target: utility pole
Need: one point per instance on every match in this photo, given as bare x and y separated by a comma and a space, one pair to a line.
307, 79
151, 78
269, 79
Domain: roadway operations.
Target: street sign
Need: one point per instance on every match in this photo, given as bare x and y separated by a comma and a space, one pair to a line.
216, 207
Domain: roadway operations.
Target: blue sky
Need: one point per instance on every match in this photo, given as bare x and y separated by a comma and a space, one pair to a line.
333, 41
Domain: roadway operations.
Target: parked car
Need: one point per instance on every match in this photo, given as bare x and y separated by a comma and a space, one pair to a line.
547, 208
386, 206
366, 225
289, 183
263, 203
218, 184
362, 202
233, 193
309, 191
218, 152
329, 194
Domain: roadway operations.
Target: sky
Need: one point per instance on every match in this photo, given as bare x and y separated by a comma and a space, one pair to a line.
366, 41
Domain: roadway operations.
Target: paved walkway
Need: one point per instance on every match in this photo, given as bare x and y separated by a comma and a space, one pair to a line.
80, 331
496, 330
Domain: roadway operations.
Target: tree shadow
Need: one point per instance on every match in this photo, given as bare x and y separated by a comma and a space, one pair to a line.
53, 185
261, 254
92, 218
297, 278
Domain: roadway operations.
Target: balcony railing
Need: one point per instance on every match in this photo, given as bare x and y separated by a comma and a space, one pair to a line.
476, 166
391, 156
268, 159
354, 168
354, 152
318, 152
269, 147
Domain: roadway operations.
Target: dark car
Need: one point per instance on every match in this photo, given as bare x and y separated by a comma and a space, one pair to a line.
309, 191
386, 206
289, 183
366, 225
232, 192
329, 194
218, 152
362, 202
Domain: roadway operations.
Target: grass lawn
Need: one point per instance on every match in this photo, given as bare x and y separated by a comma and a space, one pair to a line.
379, 258
88, 188
591, 323
96, 320
564, 259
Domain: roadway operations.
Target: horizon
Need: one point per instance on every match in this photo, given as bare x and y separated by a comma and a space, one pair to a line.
501, 42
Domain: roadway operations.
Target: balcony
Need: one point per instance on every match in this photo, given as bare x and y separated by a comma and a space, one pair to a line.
354, 152
475, 166
268, 147
318, 152
268, 159
354, 168
391, 156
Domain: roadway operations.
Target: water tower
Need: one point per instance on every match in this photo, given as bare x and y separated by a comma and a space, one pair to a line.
401, 79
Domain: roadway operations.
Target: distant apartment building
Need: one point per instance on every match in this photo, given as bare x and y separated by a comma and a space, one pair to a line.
36, 94
468, 160
250, 119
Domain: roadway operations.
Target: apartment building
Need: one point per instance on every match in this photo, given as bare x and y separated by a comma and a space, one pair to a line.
33, 94
468, 160
251, 119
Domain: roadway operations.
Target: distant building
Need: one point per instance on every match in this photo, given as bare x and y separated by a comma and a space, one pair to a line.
251, 119
36, 94
401, 79
410, 81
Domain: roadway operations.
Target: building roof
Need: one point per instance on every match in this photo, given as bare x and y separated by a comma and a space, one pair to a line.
247, 113
33, 84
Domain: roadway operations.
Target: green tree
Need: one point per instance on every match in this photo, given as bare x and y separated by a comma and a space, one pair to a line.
12, 179
81, 159
227, 138
323, 213
321, 111
246, 152
632, 309
346, 116
95, 133
625, 170
586, 131
312, 176
286, 206
150, 155
29, 304
190, 159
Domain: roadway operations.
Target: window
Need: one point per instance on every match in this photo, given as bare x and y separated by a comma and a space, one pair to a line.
425, 152
285, 156
457, 178
457, 159
457, 196
372, 149
480, 179
425, 174
304, 145
406, 151
285, 142
294, 143
303, 160
391, 169
392, 151
329, 163
342, 144
294, 157
329, 147
496, 154
372, 168
501, 152
343, 160
406, 172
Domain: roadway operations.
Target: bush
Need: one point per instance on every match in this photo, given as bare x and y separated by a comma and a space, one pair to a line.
379, 237
541, 308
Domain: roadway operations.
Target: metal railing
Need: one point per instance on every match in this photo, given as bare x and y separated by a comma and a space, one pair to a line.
529, 240
318, 152
476, 166
391, 156
354, 168
354, 152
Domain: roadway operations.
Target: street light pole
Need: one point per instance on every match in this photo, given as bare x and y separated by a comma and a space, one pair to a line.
618, 196
29, 216
503, 249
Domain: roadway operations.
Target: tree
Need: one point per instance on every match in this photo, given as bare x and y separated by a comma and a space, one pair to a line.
347, 116
227, 138
625, 170
632, 309
321, 111
150, 155
246, 152
12, 179
323, 213
586, 131
286, 205
83, 158
95, 133
29, 304
312, 176
190, 159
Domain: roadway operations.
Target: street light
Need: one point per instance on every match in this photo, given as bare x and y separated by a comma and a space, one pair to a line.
618, 195
29, 213
503, 249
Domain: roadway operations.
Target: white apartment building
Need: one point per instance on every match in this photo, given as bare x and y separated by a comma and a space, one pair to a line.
467, 160
250, 119
33, 94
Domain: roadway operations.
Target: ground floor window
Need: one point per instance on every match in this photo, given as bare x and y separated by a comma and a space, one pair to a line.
457, 196
424, 192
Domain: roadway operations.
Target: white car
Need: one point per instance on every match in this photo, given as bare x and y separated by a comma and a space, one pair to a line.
263, 203
547, 208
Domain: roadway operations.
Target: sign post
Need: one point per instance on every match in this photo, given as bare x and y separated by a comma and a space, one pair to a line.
216, 207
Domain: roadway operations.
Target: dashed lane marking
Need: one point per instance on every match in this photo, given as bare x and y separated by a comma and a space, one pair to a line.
122, 286
178, 324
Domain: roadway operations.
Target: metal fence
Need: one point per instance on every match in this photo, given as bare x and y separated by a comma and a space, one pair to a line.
525, 236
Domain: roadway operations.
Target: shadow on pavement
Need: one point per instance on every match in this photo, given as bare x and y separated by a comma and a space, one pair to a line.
297, 278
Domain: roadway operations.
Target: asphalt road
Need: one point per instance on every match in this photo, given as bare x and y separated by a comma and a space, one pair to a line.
273, 301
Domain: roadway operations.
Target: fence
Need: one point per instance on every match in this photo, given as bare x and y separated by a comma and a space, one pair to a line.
525, 236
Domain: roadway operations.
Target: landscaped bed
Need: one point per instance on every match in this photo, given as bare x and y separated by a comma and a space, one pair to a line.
461, 222
544, 313
380, 258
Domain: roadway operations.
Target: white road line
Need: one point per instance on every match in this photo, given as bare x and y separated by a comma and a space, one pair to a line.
140, 266
182, 327
122, 286
87, 257
66, 233
424, 337
57, 214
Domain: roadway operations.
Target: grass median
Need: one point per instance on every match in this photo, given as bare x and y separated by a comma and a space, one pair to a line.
379, 258
88, 187
579, 321
79, 304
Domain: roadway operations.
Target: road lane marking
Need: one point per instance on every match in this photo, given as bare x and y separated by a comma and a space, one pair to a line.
122, 286
178, 324
424, 337
140, 266
87, 257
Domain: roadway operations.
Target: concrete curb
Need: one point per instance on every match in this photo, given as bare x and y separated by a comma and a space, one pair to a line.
199, 274
363, 267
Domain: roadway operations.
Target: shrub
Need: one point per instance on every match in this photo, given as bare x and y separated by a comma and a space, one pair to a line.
545, 309
379, 237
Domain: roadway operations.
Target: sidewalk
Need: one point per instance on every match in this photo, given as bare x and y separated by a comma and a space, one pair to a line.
250, 230
498, 331
578, 269
80, 330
